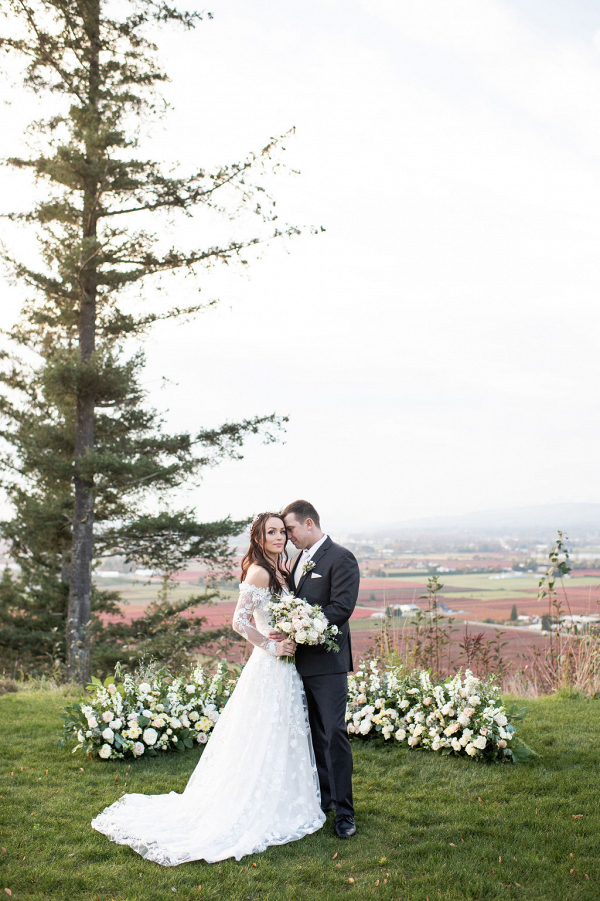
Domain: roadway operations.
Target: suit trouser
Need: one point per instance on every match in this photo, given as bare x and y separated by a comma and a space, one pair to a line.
326, 697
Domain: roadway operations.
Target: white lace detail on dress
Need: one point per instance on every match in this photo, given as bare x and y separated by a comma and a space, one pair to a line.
256, 783
253, 599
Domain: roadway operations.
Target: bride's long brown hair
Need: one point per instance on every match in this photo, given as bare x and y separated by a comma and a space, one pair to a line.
256, 553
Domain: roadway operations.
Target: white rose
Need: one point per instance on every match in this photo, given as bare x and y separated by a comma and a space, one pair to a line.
108, 734
501, 719
169, 732
464, 720
150, 736
471, 750
404, 704
413, 741
174, 723
400, 735
351, 729
468, 711
465, 737
88, 734
365, 727
184, 721
105, 752
201, 738
474, 700
297, 623
286, 627
301, 636
116, 725
313, 634
92, 722
456, 744
480, 742
319, 625
426, 702
158, 724
138, 749
107, 716
501, 743
194, 716
112, 688
144, 688
190, 689
80, 735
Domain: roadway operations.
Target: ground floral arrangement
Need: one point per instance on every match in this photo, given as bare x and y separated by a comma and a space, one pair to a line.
461, 715
153, 711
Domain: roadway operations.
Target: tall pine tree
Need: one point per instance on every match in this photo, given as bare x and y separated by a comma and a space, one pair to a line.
85, 450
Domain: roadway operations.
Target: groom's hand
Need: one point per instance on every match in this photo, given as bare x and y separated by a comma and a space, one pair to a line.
277, 636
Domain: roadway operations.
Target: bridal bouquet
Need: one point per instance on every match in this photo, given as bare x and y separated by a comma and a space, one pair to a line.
302, 622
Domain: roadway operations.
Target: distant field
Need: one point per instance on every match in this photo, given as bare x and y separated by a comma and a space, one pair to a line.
474, 597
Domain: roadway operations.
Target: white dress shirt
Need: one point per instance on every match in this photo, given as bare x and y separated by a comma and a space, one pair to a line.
306, 556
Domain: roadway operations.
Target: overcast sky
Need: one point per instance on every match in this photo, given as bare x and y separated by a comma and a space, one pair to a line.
436, 348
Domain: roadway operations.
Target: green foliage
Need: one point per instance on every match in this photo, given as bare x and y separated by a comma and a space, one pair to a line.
82, 450
513, 614
429, 826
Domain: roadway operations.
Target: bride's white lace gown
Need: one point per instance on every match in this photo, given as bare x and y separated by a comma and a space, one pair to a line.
256, 783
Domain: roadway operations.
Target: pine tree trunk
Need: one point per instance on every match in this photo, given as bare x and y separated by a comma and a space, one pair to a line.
80, 588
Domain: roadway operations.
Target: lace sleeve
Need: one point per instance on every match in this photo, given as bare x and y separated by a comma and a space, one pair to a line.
248, 601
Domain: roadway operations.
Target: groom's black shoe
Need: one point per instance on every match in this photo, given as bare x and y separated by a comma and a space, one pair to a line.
344, 826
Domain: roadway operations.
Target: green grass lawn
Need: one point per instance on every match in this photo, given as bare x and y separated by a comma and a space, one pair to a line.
430, 827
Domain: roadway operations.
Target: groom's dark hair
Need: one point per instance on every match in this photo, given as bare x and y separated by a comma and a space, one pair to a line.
302, 510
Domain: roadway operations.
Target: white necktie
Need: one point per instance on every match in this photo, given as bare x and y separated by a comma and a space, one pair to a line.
304, 558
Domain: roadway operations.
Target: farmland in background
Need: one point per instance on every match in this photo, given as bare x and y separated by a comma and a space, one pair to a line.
479, 591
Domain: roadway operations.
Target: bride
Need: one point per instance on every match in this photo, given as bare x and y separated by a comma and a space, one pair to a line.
256, 783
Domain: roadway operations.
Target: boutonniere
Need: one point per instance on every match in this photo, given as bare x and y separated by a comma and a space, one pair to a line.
308, 566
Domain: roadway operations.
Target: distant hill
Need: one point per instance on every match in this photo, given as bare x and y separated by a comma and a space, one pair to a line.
546, 519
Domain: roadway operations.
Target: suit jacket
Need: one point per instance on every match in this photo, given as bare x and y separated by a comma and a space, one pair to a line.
332, 583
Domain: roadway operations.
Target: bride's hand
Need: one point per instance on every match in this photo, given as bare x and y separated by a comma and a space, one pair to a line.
277, 636
286, 648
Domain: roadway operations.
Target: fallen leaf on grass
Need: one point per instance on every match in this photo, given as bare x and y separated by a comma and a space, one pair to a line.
499, 860
452, 844
350, 879
518, 884
577, 816
334, 856
571, 872
478, 798
253, 864
377, 883
586, 876
71, 855
571, 854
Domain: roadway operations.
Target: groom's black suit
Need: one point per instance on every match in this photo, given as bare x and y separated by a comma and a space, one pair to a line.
332, 583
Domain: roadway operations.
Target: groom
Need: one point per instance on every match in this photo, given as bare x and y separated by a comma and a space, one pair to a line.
327, 574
